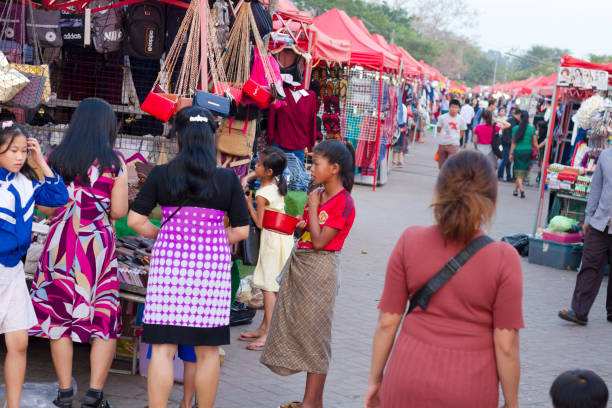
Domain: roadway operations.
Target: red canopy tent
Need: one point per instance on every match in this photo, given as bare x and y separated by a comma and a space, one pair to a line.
413, 65
365, 52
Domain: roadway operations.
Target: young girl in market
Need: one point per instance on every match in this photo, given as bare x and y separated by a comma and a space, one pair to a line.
274, 248
20, 189
300, 332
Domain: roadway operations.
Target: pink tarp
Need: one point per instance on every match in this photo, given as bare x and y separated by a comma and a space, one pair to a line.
364, 51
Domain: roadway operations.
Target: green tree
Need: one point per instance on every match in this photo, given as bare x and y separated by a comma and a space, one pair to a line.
600, 59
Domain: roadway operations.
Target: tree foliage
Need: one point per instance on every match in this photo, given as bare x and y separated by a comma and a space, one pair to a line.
600, 59
392, 23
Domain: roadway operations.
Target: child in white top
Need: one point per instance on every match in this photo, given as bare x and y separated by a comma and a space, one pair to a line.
20, 190
274, 248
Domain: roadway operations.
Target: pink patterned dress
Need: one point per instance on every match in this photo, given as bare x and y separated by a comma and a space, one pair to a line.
76, 289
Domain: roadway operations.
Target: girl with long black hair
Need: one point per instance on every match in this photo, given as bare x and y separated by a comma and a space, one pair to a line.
189, 288
521, 151
78, 265
300, 332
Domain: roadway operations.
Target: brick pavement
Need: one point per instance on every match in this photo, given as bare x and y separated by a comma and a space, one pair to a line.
548, 346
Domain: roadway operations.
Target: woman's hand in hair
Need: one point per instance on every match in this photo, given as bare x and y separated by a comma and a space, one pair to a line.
38, 158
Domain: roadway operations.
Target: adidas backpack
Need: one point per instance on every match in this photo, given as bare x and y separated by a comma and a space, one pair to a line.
145, 30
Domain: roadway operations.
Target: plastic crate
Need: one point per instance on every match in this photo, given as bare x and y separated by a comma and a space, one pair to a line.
555, 254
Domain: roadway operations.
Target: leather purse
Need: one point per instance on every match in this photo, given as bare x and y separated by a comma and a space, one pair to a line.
236, 137
218, 105
257, 93
29, 97
40, 70
160, 105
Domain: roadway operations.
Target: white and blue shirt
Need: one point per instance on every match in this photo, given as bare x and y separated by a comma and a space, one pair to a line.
18, 195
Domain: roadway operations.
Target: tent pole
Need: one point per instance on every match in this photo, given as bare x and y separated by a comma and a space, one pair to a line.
204, 43
544, 171
380, 81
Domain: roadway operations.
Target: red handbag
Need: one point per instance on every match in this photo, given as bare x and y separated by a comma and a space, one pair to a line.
160, 105
257, 93
235, 93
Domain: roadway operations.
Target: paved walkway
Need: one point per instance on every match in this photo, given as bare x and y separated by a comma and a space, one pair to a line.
548, 346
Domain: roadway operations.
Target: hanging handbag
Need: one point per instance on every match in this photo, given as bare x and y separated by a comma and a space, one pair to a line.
39, 70
11, 80
29, 97
218, 105
11, 20
160, 105
258, 93
236, 137
44, 25
422, 296
250, 246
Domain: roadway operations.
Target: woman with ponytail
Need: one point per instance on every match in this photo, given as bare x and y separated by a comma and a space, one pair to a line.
470, 326
524, 140
274, 248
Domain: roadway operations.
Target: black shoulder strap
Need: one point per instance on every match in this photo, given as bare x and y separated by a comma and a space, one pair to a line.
171, 216
422, 296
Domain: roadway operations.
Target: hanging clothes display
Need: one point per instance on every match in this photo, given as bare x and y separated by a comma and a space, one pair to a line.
293, 125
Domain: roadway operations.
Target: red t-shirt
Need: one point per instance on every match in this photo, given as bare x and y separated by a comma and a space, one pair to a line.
485, 133
339, 213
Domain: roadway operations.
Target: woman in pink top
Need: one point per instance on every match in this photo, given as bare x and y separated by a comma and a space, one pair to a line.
483, 136
457, 351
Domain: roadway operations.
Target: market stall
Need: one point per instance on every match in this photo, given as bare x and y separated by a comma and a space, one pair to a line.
194, 54
367, 99
579, 129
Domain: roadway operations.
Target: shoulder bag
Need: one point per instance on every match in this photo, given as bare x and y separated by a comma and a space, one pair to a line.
422, 296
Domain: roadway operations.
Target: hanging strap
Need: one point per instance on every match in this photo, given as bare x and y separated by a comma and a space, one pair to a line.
422, 296
171, 216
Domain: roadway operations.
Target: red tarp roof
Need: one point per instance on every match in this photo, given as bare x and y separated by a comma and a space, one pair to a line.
413, 63
364, 51
330, 49
380, 40
360, 24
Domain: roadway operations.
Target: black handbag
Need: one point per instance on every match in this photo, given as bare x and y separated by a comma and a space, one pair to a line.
422, 296
250, 246
218, 105
496, 144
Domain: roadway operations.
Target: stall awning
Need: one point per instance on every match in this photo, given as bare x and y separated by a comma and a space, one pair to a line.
364, 51
569, 61
411, 65
330, 49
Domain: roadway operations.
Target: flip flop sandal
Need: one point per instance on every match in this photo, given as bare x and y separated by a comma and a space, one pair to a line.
329, 89
323, 88
335, 124
242, 337
335, 103
327, 104
294, 404
343, 87
571, 316
324, 74
316, 75
256, 346
326, 118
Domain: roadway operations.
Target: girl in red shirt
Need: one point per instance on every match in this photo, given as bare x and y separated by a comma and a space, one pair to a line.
300, 332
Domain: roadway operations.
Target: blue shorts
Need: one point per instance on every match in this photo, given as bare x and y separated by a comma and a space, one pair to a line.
185, 353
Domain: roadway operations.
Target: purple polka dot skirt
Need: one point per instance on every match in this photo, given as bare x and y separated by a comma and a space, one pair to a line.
190, 272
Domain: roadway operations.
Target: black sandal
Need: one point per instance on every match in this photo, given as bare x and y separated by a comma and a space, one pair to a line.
515, 193
571, 316
522, 194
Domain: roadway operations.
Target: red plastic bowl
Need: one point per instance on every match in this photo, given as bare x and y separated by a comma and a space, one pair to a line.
279, 222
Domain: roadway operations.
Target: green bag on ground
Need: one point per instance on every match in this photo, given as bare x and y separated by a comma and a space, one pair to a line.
561, 223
